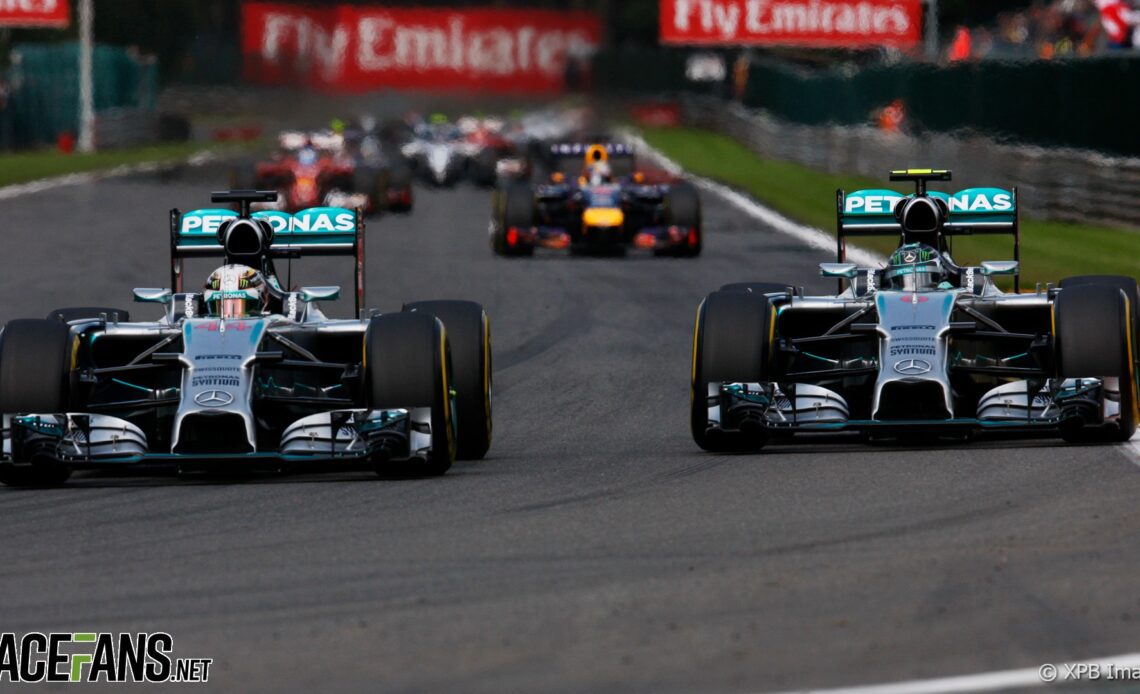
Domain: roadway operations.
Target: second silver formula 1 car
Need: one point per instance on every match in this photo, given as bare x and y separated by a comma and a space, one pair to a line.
246, 373
922, 345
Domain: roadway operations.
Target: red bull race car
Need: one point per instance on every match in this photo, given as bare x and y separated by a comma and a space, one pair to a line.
596, 200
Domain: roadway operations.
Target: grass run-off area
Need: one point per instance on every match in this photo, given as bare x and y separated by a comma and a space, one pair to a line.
1049, 250
21, 167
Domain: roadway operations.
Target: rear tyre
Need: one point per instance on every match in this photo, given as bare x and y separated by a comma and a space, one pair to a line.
469, 334
374, 184
731, 344
71, 313
34, 379
400, 179
516, 212
408, 365
683, 209
1095, 338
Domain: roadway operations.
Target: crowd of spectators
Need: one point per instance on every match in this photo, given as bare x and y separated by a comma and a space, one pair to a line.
1052, 29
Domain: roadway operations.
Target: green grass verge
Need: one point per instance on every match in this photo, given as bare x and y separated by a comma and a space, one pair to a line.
1049, 250
22, 167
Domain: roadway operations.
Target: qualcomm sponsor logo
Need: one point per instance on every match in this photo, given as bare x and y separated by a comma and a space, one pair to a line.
214, 398
913, 367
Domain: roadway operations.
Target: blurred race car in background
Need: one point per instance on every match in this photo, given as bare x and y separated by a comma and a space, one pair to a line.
596, 200
247, 373
438, 152
310, 169
923, 347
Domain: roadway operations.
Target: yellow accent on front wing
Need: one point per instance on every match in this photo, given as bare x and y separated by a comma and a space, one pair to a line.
603, 217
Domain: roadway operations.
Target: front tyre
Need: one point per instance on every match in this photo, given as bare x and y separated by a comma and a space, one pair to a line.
731, 344
469, 333
408, 365
34, 379
1095, 338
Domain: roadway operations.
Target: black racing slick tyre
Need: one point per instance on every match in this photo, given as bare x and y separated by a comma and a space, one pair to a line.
515, 210
374, 184
407, 365
731, 344
469, 334
1122, 282
1095, 338
683, 209
71, 313
34, 377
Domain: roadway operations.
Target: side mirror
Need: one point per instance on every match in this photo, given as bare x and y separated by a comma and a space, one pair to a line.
153, 295
847, 271
309, 294
1000, 267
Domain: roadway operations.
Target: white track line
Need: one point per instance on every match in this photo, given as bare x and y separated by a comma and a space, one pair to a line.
810, 236
1024, 678
44, 184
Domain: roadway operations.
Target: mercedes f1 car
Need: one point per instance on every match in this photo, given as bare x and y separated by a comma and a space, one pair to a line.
246, 374
922, 345
597, 201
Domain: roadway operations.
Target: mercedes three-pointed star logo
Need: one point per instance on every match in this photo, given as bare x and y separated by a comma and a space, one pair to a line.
913, 367
213, 398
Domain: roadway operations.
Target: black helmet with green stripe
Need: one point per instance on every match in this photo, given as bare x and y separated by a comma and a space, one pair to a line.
914, 267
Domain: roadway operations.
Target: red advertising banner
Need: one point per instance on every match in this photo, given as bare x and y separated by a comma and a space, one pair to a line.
818, 23
355, 48
35, 13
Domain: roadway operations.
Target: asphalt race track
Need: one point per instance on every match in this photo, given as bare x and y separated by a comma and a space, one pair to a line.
596, 548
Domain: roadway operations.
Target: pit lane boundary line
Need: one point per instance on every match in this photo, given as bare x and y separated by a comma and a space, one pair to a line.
1022, 678
44, 184
808, 235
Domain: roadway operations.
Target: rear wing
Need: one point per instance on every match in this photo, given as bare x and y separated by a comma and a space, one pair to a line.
577, 150
973, 211
318, 231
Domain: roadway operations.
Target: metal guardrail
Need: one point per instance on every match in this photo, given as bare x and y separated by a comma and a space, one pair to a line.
1057, 184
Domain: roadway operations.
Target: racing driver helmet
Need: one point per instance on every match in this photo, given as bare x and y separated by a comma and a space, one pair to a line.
914, 267
598, 173
235, 291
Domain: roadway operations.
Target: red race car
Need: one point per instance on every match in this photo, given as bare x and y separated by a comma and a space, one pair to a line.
315, 169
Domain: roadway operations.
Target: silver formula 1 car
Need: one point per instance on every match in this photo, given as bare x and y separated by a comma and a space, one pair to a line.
922, 345
246, 374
